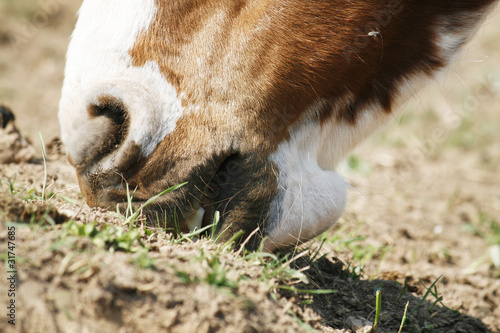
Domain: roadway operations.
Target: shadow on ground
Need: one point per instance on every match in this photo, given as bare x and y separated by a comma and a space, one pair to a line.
352, 306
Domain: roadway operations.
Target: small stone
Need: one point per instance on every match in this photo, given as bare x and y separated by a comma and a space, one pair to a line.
359, 325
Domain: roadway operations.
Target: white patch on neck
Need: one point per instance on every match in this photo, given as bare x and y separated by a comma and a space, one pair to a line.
99, 63
309, 199
311, 195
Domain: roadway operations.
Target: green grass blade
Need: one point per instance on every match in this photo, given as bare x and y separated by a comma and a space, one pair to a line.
404, 317
151, 200
233, 239
378, 307
193, 234
425, 295
308, 291
44, 156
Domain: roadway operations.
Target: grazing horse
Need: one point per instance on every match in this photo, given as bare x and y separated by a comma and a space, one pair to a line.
253, 103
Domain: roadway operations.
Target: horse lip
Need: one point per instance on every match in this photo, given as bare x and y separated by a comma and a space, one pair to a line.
204, 215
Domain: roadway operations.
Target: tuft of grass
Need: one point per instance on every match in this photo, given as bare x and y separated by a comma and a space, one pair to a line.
133, 216
30, 193
46, 218
432, 290
276, 268
191, 236
422, 300
111, 238
215, 272
361, 252
278, 273
143, 260
355, 272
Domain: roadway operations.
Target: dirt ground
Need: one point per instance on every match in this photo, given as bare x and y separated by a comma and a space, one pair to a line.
424, 208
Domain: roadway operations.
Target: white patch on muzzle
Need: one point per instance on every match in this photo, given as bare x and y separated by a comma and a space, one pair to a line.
99, 64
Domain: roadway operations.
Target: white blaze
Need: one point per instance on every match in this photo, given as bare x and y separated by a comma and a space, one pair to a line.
99, 63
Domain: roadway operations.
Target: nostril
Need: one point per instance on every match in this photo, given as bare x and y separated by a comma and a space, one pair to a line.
99, 133
114, 113
109, 107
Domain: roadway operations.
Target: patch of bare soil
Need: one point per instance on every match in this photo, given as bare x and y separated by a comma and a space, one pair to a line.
66, 283
353, 306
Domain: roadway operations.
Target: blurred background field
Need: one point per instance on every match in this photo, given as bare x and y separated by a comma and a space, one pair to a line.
34, 36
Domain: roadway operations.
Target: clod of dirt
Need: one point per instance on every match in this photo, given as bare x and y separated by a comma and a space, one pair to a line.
14, 209
6, 116
14, 148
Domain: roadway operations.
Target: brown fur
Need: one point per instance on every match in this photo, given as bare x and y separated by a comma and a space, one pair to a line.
248, 70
